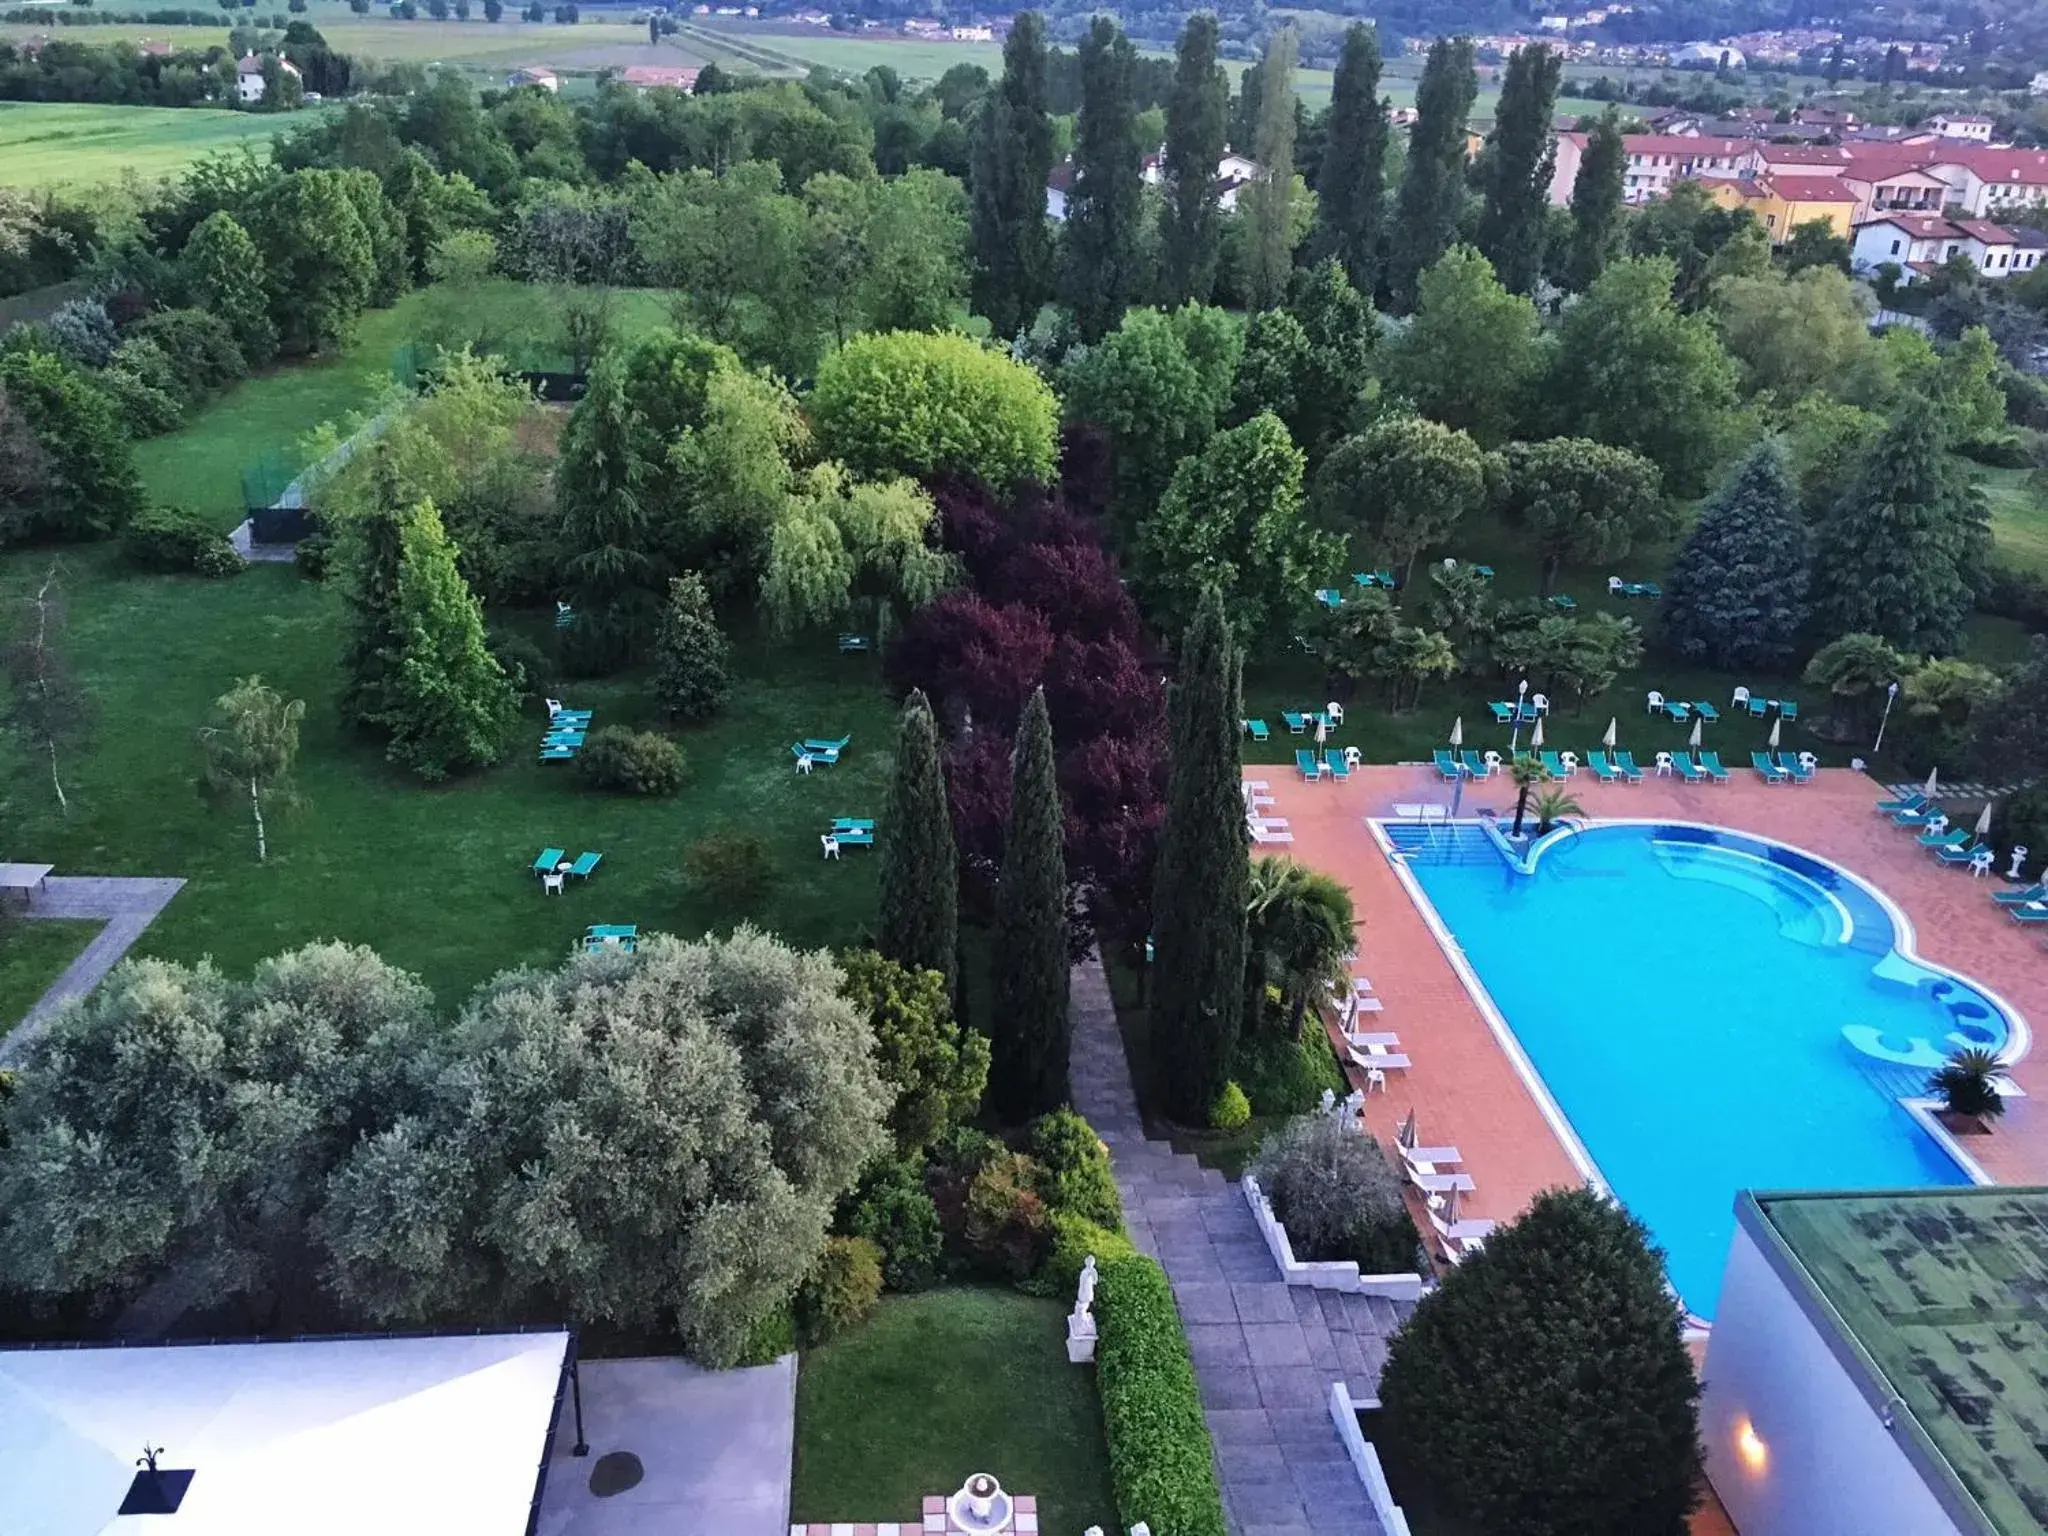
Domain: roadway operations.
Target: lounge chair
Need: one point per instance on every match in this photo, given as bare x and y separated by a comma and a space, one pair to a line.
1706, 711
853, 824
1362, 578
1603, 770
1625, 765
2032, 912
570, 716
1678, 710
2019, 898
1710, 765
1329, 597
1305, 760
1916, 818
1771, 772
585, 865
1447, 765
1473, 763
557, 754
1913, 802
850, 645
1296, 724
1788, 709
1955, 838
1793, 769
1565, 603
1270, 834
1648, 589
1485, 572
1442, 1183
1258, 730
1334, 764
1376, 1059
1961, 855
816, 744
1385, 579
803, 753
1758, 708
1429, 1159
1683, 765
562, 739
856, 837
1503, 714
1553, 764
549, 858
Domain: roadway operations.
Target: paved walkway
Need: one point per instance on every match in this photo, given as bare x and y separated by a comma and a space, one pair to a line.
126, 906
1265, 1353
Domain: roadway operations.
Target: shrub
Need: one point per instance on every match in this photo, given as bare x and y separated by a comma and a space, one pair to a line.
178, 541
310, 556
145, 409
1335, 1194
731, 869
1160, 1457
1074, 1171
630, 762
1073, 1238
769, 1338
1968, 1083
1280, 1076
2001, 450
841, 1289
83, 332
1232, 1111
893, 1210
1003, 1219
523, 662
1545, 1383
200, 345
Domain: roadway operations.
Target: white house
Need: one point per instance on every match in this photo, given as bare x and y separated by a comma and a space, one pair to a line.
534, 74
2038, 86
1233, 172
1873, 1366
1971, 129
249, 85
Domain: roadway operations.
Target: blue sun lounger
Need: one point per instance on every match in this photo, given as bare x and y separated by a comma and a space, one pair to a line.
1503, 714
1678, 710
549, 858
1334, 764
2019, 898
1955, 837
1706, 711
1789, 764
1771, 772
1295, 724
557, 754
1258, 730
1683, 765
1916, 818
1552, 764
1305, 761
1603, 770
1962, 855
1788, 709
818, 744
2032, 912
1329, 597
1472, 763
1447, 765
1914, 802
1625, 765
1710, 765
799, 751
585, 865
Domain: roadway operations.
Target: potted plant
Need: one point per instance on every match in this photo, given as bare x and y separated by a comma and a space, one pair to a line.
1968, 1085
1552, 806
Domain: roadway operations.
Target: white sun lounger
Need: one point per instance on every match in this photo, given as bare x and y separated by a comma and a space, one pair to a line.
1431, 1156
1441, 1183
1268, 835
1465, 1231
1383, 1060
1364, 1042
1359, 1004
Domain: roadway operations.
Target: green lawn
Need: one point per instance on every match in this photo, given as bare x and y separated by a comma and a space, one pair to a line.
46, 142
2019, 516
937, 1386
32, 955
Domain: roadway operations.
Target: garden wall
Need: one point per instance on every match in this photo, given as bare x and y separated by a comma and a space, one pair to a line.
1365, 1461
1322, 1275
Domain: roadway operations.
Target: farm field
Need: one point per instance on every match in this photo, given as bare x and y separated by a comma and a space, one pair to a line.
42, 143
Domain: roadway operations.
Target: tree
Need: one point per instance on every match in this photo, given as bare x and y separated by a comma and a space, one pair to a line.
447, 704
1030, 956
319, 261
1582, 501
1630, 370
2007, 741
933, 1069
1333, 381
1230, 523
1267, 202
1432, 196
1204, 875
1554, 805
250, 746
1900, 554
653, 1140
1491, 1379
1856, 670
1351, 187
614, 579
692, 677
920, 922
1103, 275
1271, 370
24, 471
1013, 156
1596, 203
1735, 599
1516, 165
840, 547
1468, 357
225, 273
45, 708
1299, 929
1814, 243
1197, 119
89, 485
1407, 483
1693, 231
908, 403
1794, 336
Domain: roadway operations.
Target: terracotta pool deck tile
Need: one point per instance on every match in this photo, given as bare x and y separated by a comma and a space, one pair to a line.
1464, 1089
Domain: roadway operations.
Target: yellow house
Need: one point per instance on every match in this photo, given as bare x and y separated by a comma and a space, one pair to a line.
1781, 203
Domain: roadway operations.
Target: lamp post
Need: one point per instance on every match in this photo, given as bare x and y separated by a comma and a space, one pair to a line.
1515, 736
1891, 693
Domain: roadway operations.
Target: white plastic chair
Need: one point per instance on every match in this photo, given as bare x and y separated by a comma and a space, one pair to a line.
1492, 761
1353, 757
554, 707
1570, 760
1541, 702
1664, 764
831, 845
1741, 699
1980, 863
551, 882
1656, 702
1614, 584
1335, 712
1808, 762
1375, 1078
803, 762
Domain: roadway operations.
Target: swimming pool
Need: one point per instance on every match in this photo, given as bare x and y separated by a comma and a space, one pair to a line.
1711, 1012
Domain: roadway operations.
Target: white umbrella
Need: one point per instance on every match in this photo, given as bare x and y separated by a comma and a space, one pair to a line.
1699, 727
1406, 1135
1322, 729
1613, 725
1458, 731
1451, 1206
1984, 820
1773, 742
1927, 789
1536, 736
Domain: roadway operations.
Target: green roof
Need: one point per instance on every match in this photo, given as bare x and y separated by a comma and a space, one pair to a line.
1946, 1293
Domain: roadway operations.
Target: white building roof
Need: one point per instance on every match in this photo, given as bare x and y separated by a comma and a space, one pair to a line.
319, 1437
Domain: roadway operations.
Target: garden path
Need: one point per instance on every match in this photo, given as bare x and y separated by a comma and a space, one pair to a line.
1265, 1353
127, 906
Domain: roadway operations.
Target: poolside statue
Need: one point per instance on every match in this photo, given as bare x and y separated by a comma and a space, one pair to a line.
980, 1508
1081, 1321
2019, 857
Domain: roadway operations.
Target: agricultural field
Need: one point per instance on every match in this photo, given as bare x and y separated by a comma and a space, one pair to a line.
42, 143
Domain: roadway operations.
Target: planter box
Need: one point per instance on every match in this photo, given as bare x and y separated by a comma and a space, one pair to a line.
1323, 1275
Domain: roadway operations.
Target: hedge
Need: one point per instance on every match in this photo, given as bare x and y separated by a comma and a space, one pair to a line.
1160, 1458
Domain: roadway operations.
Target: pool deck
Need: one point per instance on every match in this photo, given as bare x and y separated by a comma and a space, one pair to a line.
1464, 1088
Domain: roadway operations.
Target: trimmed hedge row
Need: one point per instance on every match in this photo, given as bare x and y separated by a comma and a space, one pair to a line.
1160, 1457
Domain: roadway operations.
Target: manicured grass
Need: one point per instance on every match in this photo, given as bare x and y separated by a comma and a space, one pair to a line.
33, 955
42, 143
937, 1386
2019, 516
502, 44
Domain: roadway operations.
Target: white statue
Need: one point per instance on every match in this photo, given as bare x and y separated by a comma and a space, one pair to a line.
1329, 1100
1084, 1300
1081, 1321
1354, 1103
2019, 857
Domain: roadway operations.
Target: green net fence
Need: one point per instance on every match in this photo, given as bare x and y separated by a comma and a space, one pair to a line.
266, 478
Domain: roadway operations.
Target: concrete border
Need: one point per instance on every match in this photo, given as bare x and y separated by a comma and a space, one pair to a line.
126, 906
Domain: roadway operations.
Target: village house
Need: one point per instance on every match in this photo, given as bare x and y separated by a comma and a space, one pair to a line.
1781, 205
1920, 243
249, 81
534, 74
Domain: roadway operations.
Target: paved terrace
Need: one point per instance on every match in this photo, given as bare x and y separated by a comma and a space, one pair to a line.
1463, 1088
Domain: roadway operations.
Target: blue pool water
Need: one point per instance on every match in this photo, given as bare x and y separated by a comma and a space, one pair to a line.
1712, 1012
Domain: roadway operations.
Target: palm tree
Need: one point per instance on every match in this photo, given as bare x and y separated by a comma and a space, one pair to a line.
1527, 773
1299, 929
1552, 806
1968, 1084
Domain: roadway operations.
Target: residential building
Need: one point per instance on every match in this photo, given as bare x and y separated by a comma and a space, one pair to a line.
249, 82
1975, 130
1707, 56
972, 34
1233, 173
1920, 243
1656, 160
534, 74
1058, 187
1782, 204
645, 77
1875, 1364
2038, 86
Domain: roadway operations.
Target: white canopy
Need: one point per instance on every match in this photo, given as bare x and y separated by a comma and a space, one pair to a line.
320, 1437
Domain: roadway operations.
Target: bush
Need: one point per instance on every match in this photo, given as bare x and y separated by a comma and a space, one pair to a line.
523, 662
630, 762
178, 541
1160, 1458
145, 409
83, 332
2003, 450
730, 869
1232, 1111
1074, 1171
1336, 1196
892, 1209
1545, 1382
2013, 592
841, 1289
1003, 1218
769, 1338
1073, 1238
310, 556
200, 345
1280, 1076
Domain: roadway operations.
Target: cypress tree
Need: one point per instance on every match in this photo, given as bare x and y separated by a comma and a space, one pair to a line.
614, 582
1029, 1072
1012, 159
370, 548
1596, 203
1736, 596
1270, 199
1104, 211
692, 677
1432, 194
920, 866
1204, 874
1197, 119
1351, 189
1244, 110
1519, 158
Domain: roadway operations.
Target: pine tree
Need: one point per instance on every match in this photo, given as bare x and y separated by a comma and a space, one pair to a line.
1736, 596
1204, 873
1596, 203
1244, 109
614, 583
692, 679
1029, 1073
448, 704
369, 549
1269, 201
1105, 211
1351, 189
1898, 556
1197, 119
1432, 193
1518, 162
1012, 159
920, 866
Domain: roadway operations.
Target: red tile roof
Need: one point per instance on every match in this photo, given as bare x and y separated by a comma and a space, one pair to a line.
1684, 146
683, 79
